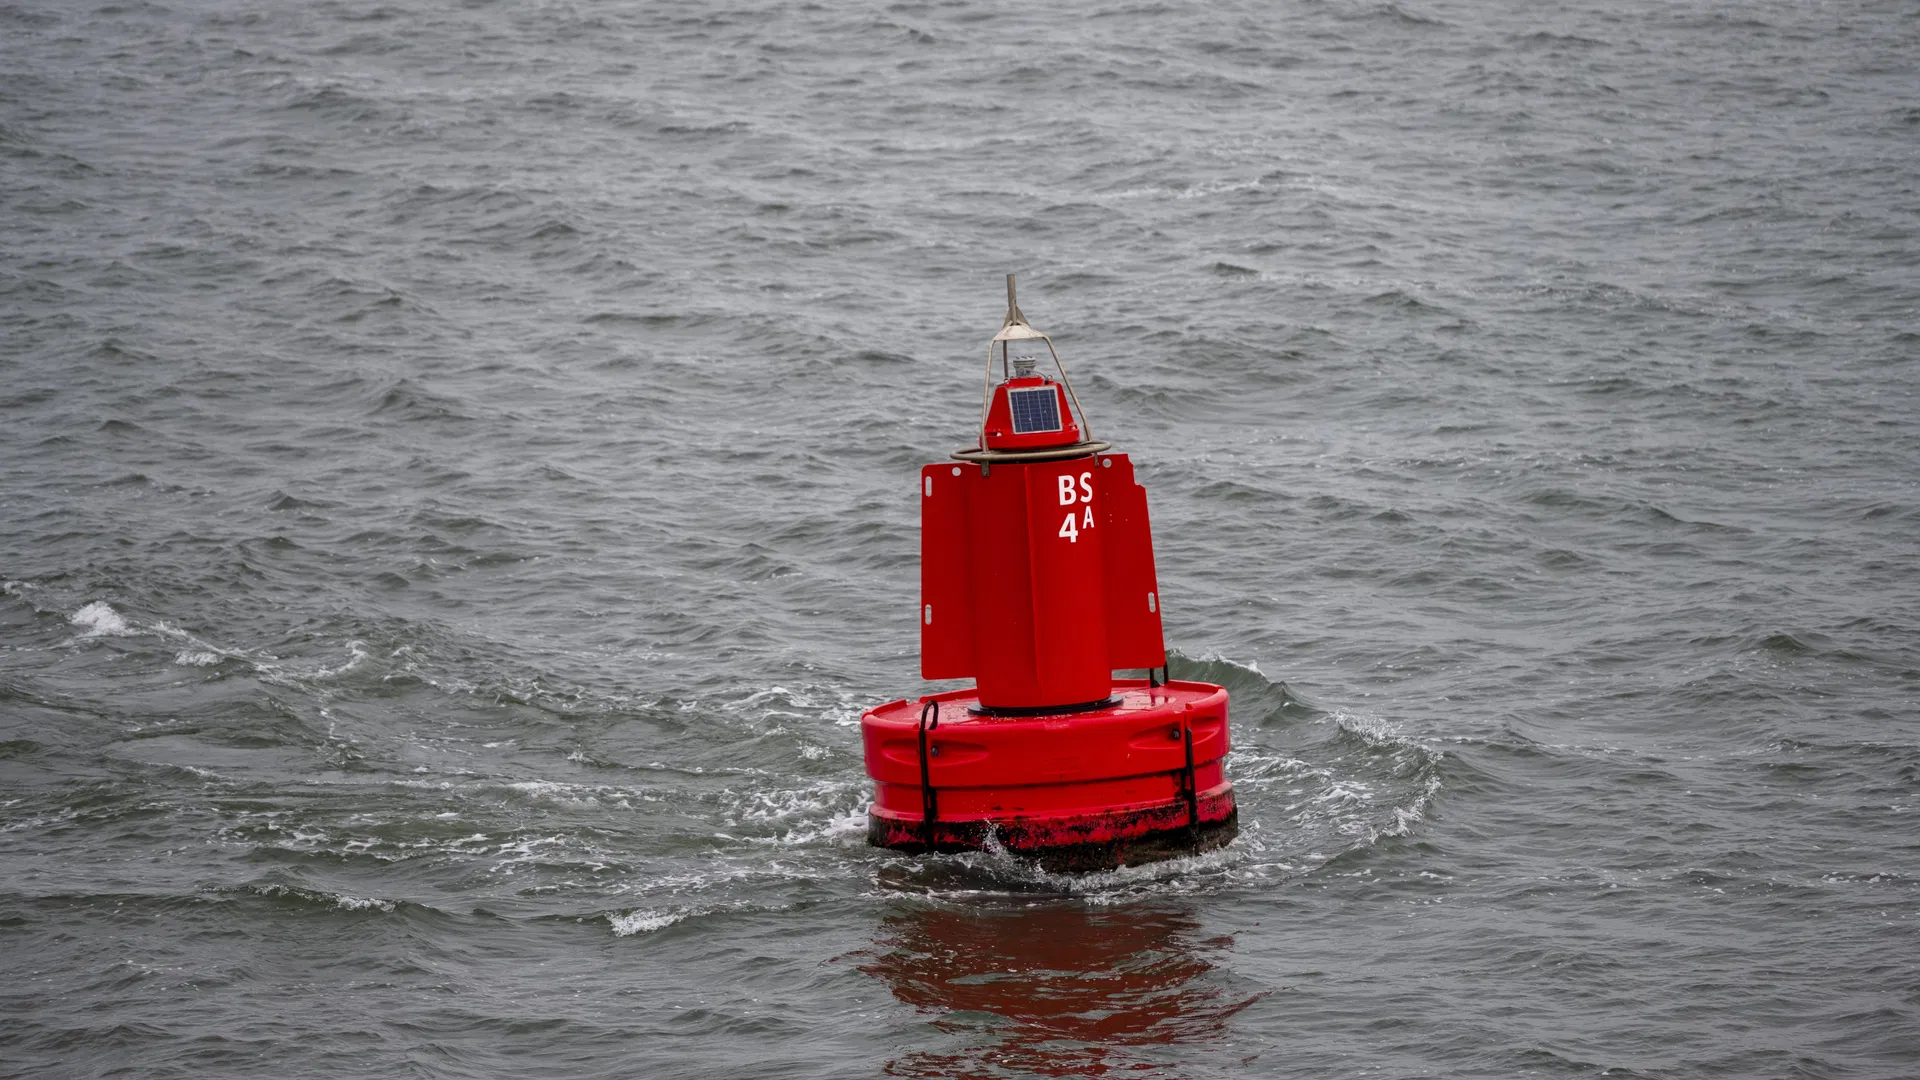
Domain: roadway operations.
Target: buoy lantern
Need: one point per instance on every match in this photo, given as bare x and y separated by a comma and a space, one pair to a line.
1037, 581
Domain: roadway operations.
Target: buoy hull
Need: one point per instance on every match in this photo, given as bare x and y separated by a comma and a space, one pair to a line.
1138, 781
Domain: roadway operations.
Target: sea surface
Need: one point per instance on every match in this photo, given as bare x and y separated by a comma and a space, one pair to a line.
457, 495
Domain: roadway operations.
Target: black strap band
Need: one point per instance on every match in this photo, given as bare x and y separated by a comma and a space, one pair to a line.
929, 801
1191, 789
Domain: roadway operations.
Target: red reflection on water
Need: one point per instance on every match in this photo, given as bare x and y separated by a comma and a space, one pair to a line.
1069, 991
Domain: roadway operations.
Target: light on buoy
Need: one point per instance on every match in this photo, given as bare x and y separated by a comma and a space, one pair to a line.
1037, 581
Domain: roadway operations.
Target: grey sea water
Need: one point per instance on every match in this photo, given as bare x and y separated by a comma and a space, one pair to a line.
457, 471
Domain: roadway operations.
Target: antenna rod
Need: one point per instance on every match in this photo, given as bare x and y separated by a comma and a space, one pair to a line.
1013, 306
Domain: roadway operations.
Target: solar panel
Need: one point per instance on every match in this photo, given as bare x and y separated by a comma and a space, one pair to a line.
1037, 409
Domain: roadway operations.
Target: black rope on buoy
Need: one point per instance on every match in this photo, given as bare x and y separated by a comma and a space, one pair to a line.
1193, 794
930, 802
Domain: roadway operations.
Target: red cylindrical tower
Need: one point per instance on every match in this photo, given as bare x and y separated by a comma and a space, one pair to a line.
1037, 581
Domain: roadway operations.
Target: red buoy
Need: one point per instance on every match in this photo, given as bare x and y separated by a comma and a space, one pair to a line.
1037, 581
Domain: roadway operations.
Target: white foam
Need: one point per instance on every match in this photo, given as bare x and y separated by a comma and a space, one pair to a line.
100, 620
197, 659
643, 922
1371, 729
1252, 667
284, 674
822, 797
356, 652
554, 791
840, 826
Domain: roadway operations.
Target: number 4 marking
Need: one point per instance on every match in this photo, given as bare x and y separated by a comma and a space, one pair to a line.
1070, 528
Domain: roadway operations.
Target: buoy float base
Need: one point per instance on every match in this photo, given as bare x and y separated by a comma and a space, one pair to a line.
1046, 848
1135, 782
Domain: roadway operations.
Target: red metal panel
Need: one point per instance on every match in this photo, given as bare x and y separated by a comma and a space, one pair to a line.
1000, 574
1134, 637
1069, 598
946, 596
